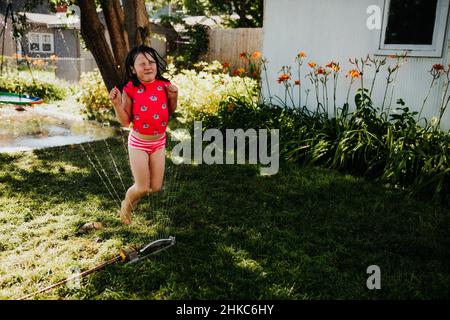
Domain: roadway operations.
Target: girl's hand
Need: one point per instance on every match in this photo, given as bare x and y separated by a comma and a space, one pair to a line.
172, 91
172, 98
115, 96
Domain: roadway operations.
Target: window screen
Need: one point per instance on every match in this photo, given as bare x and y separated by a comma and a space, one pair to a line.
46, 43
34, 42
411, 22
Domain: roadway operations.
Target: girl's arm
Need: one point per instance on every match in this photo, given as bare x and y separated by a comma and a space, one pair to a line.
122, 106
172, 98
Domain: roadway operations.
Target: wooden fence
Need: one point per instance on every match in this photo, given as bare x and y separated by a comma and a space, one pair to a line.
226, 45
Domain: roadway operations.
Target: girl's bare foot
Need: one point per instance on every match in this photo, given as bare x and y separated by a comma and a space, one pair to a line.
125, 212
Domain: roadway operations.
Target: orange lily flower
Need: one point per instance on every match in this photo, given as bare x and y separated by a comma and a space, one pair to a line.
438, 67
244, 55
284, 77
353, 73
240, 71
321, 70
256, 55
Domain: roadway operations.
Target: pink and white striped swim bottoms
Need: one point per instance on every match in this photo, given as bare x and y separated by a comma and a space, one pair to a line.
148, 146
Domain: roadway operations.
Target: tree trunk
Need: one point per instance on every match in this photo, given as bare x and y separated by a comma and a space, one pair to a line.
93, 33
137, 22
114, 18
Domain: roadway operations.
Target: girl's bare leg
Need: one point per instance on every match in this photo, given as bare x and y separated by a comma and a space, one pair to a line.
141, 173
148, 173
156, 164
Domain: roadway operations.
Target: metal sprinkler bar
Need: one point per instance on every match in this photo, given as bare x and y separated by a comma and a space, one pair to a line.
132, 255
129, 255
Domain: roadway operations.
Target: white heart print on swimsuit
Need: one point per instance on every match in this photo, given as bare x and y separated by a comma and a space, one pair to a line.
143, 108
153, 98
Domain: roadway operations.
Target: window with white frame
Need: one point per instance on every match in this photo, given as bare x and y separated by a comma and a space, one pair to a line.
413, 26
40, 42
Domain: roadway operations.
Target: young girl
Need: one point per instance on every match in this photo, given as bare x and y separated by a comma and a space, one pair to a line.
147, 101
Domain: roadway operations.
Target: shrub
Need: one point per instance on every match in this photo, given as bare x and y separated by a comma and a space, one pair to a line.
397, 152
203, 89
94, 97
44, 89
374, 142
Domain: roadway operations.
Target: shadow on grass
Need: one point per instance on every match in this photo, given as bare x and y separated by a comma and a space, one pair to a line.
305, 233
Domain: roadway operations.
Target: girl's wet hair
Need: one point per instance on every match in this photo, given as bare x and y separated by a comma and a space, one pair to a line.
131, 58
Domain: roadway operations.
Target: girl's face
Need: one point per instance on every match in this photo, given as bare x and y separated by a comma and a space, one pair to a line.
145, 67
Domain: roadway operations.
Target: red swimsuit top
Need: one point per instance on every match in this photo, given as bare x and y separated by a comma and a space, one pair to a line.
149, 107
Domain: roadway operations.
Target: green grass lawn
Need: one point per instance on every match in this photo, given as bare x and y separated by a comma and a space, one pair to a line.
304, 233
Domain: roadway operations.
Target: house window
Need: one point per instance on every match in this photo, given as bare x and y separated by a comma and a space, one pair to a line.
415, 26
34, 42
40, 42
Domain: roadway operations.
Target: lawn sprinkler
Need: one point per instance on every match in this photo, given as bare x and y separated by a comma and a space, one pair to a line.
129, 255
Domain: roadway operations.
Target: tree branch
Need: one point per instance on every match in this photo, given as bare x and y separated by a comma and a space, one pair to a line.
114, 18
93, 34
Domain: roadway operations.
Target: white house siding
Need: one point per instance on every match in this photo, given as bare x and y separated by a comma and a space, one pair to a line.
336, 30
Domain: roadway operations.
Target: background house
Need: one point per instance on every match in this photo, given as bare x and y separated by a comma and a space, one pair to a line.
329, 30
48, 35
53, 35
